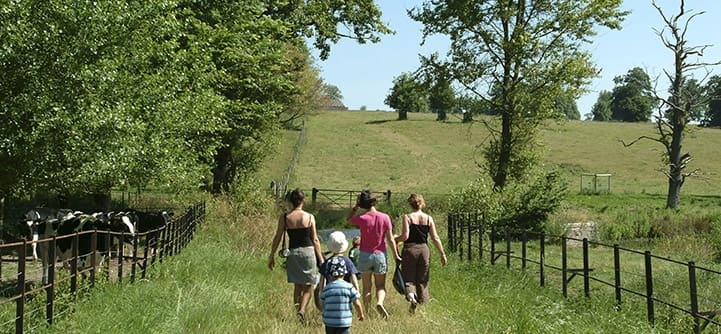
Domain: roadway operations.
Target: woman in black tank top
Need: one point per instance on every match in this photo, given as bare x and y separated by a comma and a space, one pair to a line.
304, 253
417, 228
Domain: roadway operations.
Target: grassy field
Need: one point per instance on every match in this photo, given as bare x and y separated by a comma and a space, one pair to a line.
354, 150
220, 284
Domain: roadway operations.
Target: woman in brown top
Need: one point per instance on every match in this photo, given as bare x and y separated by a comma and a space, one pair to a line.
305, 255
417, 227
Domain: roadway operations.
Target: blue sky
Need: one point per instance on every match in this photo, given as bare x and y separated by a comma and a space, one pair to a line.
364, 72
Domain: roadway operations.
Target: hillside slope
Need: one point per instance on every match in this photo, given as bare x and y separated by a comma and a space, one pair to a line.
353, 150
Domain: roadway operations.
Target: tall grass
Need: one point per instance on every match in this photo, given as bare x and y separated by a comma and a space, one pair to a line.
220, 284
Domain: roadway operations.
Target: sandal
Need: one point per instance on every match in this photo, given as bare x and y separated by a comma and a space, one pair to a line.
382, 311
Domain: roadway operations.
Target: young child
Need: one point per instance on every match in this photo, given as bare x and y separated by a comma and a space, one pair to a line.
354, 250
337, 245
337, 297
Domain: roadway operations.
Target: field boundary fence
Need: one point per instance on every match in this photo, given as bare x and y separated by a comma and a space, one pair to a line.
27, 303
279, 187
341, 198
628, 273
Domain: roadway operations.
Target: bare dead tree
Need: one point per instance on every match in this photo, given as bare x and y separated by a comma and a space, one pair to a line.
674, 111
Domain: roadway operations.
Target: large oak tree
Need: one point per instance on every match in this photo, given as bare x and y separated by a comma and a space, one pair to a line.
518, 55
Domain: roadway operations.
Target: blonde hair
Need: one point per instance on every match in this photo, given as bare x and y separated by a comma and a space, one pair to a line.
416, 201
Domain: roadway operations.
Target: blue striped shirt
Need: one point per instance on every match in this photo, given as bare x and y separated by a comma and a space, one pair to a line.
336, 298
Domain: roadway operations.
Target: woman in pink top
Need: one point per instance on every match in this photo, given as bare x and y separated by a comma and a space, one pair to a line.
376, 233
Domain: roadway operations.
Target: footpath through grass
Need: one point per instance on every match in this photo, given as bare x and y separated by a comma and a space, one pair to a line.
220, 284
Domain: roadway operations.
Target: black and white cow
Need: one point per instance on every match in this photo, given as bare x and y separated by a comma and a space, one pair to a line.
66, 223
150, 222
32, 220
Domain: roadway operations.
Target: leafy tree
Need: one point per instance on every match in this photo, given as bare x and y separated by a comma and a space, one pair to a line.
95, 95
713, 91
308, 91
437, 81
566, 107
407, 95
526, 51
694, 92
333, 92
257, 79
320, 20
631, 99
601, 110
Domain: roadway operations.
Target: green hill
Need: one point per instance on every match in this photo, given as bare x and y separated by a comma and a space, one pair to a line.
359, 149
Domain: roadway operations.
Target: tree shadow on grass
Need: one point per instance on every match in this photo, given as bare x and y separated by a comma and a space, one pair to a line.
380, 121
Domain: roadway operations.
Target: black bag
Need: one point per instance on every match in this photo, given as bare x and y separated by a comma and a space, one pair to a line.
398, 283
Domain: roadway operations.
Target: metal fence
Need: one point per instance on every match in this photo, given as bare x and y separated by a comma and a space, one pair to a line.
27, 303
629, 273
341, 198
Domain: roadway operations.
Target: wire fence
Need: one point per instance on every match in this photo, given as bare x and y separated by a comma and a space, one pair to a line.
32, 296
279, 187
656, 281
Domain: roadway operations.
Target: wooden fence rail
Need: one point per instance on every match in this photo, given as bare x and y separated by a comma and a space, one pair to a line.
469, 232
24, 306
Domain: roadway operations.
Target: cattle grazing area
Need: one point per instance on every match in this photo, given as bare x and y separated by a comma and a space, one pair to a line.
65, 252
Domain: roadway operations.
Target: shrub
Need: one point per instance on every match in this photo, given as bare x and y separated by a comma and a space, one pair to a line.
520, 205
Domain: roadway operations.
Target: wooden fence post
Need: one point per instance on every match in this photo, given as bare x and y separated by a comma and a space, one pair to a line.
649, 287
20, 289
481, 231
564, 266
586, 280
470, 229
617, 273
694, 296
493, 245
524, 239
542, 256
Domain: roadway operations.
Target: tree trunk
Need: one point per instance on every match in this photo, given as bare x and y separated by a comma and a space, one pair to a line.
402, 115
441, 116
675, 176
224, 170
504, 154
467, 117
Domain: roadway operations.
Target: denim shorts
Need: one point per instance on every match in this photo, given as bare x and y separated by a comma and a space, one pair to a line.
376, 263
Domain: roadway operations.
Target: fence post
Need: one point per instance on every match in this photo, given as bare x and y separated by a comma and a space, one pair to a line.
649, 287
508, 247
523, 250
586, 282
50, 290
121, 254
20, 289
617, 273
313, 196
461, 227
93, 254
694, 296
450, 233
135, 259
542, 256
470, 229
388, 196
74, 264
564, 266
493, 245
481, 232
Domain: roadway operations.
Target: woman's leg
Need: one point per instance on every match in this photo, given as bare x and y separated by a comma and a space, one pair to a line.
422, 272
297, 290
305, 294
367, 286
